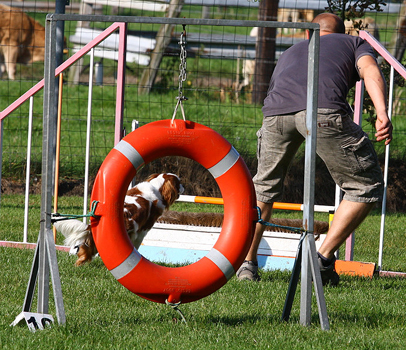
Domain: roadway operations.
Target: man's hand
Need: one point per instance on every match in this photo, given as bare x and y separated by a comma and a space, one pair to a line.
383, 128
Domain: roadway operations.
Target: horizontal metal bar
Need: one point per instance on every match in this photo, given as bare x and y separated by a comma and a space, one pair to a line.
181, 21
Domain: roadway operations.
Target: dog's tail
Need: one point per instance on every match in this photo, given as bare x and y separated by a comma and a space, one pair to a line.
76, 232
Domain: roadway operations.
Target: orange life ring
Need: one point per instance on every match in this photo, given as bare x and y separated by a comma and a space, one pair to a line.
128, 266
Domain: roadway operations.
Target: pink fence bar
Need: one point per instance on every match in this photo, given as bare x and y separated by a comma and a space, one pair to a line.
383, 52
359, 97
71, 60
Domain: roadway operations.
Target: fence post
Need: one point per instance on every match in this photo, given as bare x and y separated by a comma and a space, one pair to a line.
45, 262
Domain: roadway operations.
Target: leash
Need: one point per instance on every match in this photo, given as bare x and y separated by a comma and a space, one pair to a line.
59, 217
266, 223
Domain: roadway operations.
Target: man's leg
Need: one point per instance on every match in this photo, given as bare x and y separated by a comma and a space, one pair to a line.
249, 269
278, 142
347, 218
353, 164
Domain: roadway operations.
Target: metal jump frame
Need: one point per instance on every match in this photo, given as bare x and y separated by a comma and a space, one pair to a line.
45, 262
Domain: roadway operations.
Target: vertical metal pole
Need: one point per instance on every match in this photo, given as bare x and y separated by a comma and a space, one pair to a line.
60, 29
359, 98
48, 142
56, 280
309, 177
358, 101
47, 262
122, 52
59, 40
27, 175
1, 150
337, 201
385, 175
309, 257
98, 67
88, 135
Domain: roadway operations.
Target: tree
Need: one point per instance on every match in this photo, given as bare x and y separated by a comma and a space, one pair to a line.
264, 50
351, 9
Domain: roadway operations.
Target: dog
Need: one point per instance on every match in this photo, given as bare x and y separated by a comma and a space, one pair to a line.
22, 40
143, 205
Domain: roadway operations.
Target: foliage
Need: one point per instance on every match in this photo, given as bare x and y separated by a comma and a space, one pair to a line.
354, 10
351, 9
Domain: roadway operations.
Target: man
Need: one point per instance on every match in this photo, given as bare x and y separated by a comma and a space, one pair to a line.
341, 144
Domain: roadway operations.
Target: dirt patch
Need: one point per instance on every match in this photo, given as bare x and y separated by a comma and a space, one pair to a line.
198, 181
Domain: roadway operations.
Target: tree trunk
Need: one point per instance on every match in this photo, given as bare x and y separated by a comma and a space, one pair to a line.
264, 50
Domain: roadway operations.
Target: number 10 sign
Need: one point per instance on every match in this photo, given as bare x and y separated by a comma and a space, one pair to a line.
34, 321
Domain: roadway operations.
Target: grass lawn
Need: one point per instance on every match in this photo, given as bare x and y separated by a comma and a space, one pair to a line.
101, 314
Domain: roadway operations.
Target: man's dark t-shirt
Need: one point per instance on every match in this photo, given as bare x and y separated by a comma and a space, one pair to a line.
339, 54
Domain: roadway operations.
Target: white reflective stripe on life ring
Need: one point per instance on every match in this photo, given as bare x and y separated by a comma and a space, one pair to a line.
130, 153
225, 164
222, 262
127, 265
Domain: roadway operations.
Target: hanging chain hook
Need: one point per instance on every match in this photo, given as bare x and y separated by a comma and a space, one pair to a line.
175, 306
182, 74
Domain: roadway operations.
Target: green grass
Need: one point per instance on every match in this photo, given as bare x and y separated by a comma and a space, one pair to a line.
367, 235
101, 314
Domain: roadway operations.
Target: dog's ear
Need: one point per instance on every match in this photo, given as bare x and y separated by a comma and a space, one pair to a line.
151, 177
170, 189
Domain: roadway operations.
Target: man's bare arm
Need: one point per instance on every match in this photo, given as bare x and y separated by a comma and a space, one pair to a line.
376, 86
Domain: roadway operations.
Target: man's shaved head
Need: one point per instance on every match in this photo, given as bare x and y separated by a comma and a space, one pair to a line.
330, 22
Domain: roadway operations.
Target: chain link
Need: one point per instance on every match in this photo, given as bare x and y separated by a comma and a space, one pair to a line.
182, 74
183, 64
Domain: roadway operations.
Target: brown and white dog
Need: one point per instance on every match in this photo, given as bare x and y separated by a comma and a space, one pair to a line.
143, 205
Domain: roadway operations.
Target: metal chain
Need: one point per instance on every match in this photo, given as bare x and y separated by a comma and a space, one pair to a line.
182, 65
182, 73
175, 306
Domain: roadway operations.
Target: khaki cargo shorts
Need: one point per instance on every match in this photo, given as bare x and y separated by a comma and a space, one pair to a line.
342, 145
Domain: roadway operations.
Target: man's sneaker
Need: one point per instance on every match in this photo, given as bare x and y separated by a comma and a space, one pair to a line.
248, 272
328, 273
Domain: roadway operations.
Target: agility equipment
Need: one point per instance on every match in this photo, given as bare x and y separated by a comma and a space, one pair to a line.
128, 266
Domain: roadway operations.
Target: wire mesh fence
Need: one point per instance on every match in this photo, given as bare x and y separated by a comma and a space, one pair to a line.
220, 74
